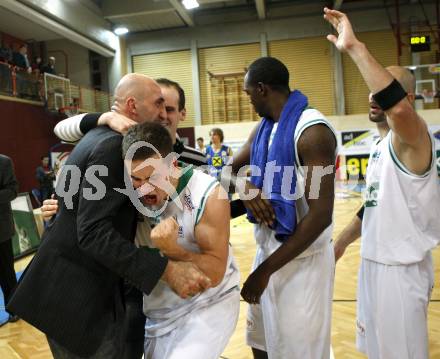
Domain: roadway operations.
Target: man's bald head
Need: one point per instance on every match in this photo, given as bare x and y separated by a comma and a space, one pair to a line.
405, 78
140, 98
135, 85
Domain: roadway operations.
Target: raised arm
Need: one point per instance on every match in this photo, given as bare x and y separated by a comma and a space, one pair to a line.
411, 139
316, 149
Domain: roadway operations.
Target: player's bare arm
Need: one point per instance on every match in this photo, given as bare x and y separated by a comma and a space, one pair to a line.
212, 235
348, 235
260, 207
316, 147
411, 140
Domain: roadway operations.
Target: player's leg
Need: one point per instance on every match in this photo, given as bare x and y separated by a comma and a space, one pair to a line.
202, 334
296, 308
399, 310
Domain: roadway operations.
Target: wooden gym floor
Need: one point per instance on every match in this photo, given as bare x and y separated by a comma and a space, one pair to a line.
20, 340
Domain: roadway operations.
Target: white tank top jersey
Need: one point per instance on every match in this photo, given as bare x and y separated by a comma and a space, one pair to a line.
309, 117
163, 308
401, 222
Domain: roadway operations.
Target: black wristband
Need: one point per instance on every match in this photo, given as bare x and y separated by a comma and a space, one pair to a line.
89, 122
390, 95
360, 213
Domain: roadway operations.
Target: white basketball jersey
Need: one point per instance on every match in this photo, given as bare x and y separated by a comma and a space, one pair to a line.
163, 308
309, 117
401, 222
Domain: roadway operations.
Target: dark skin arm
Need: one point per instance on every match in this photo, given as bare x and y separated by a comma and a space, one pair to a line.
316, 147
260, 207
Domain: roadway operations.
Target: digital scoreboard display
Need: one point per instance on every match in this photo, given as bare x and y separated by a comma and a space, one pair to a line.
420, 43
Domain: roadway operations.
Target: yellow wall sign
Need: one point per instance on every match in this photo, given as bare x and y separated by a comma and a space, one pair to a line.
420, 43
418, 40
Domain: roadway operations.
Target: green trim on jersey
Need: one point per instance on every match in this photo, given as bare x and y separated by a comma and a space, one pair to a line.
401, 166
203, 200
184, 179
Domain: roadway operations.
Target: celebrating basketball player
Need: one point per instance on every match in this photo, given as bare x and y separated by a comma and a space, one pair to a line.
400, 222
198, 327
291, 287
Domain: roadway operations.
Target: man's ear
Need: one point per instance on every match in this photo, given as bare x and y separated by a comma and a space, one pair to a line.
261, 88
411, 98
130, 102
183, 113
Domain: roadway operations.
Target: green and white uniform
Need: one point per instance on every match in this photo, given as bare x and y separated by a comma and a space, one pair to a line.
287, 324
198, 327
400, 227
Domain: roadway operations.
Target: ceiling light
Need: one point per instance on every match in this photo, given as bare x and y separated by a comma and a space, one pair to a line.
190, 4
120, 31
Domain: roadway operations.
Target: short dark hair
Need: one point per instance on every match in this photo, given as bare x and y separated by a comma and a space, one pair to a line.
269, 71
152, 133
219, 132
200, 138
176, 86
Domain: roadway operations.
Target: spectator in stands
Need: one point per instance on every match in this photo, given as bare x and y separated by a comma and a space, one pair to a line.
217, 153
20, 58
5, 72
50, 67
5, 53
201, 145
8, 192
37, 65
45, 177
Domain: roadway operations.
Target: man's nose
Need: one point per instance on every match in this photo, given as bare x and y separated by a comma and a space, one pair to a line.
163, 113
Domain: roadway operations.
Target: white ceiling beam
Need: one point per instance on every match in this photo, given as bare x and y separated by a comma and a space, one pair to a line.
337, 4
185, 15
56, 27
261, 9
139, 13
118, 8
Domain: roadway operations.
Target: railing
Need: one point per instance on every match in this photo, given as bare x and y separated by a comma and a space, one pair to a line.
20, 83
56, 92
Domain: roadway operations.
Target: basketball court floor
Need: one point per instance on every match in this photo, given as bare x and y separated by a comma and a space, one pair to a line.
20, 340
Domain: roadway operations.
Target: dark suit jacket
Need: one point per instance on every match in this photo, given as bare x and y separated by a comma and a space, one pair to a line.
8, 192
72, 290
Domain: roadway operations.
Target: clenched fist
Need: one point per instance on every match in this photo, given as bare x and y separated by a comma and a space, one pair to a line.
49, 208
164, 237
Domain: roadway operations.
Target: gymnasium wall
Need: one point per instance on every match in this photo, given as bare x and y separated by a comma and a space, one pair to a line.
27, 134
72, 58
225, 59
299, 42
175, 66
310, 67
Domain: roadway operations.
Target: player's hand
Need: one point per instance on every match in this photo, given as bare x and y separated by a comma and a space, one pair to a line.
185, 279
339, 250
346, 38
116, 121
255, 285
260, 207
164, 237
49, 208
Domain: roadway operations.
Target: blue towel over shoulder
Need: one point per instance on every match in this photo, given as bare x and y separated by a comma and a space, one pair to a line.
281, 153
